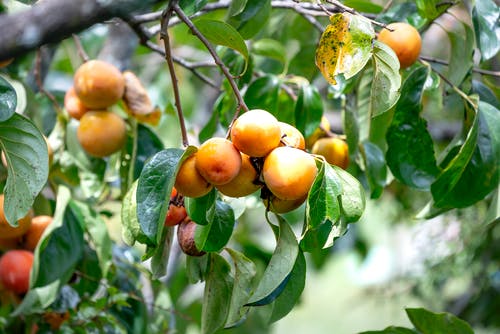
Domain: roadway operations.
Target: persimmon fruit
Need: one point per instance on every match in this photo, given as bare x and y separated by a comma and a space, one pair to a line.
278, 205
33, 235
98, 84
185, 237
256, 133
15, 268
335, 151
245, 183
218, 161
189, 181
291, 136
7, 231
404, 40
74, 106
101, 133
289, 172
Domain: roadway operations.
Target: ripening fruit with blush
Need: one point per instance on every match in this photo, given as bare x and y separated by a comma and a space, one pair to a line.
218, 161
335, 151
245, 183
101, 133
98, 84
176, 210
73, 104
289, 172
15, 268
189, 181
291, 136
33, 235
7, 231
404, 40
185, 237
256, 133
278, 205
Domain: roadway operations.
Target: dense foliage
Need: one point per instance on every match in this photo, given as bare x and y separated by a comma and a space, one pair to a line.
427, 132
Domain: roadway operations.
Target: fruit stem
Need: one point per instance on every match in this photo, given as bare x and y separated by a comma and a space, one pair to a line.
168, 56
241, 103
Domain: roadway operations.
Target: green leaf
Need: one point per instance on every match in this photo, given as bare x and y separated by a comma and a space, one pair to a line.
323, 199
161, 253
196, 268
192, 6
8, 100
210, 128
28, 165
392, 330
216, 234
262, 93
98, 232
345, 46
289, 297
38, 299
315, 239
308, 110
485, 93
252, 18
431, 9
386, 79
218, 289
481, 174
363, 6
352, 198
202, 209
410, 155
131, 230
148, 144
462, 48
428, 322
454, 167
485, 16
221, 33
236, 7
280, 265
154, 188
376, 168
272, 49
244, 272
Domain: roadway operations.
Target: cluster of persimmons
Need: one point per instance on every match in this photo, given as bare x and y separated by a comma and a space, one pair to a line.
262, 154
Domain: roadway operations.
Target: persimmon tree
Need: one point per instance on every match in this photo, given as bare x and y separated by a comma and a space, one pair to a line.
298, 102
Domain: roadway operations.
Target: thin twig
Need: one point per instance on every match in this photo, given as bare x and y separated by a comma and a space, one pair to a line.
79, 48
344, 8
455, 88
168, 56
218, 61
144, 38
474, 69
39, 83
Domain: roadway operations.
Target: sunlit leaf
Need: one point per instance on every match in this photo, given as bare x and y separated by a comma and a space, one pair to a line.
213, 236
250, 20
221, 33
386, 79
485, 16
345, 46
429, 322
308, 110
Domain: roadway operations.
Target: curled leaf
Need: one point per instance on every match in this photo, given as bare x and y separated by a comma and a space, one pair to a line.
137, 101
345, 46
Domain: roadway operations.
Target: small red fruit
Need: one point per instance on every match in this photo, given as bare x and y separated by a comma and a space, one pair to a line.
15, 268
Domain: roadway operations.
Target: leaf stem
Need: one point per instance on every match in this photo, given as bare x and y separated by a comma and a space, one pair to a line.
344, 8
168, 56
241, 103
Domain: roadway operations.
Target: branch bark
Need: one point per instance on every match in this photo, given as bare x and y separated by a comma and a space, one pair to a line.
51, 21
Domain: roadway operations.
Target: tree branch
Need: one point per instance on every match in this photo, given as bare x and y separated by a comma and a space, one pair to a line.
51, 21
